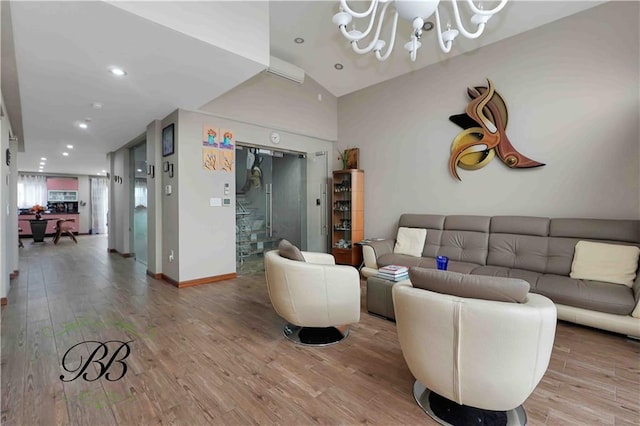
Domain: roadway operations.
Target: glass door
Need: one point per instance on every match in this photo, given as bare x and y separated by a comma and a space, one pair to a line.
139, 202
271, 194
318, 202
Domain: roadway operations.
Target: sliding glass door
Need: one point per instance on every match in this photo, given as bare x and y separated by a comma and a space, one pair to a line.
271, 195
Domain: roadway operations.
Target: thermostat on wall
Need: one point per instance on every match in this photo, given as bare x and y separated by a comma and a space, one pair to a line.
226, 202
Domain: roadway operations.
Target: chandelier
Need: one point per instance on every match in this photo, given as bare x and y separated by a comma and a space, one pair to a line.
415, 11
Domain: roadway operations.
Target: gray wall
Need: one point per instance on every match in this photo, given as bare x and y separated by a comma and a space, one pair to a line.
154, 198
170, 203
277, 103
205, 244
119, 201
571, 88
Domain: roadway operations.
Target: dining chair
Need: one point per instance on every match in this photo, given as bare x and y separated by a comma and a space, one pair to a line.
64, 228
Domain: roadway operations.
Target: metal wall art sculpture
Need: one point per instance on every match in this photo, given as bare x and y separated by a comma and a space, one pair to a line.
484, 134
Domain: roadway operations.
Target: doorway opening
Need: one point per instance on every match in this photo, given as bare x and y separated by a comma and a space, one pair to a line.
271, 195
139, 202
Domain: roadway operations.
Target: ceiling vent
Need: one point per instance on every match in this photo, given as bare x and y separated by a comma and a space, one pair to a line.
285, 70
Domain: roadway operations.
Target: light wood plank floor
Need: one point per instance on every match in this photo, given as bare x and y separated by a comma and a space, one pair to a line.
214, 354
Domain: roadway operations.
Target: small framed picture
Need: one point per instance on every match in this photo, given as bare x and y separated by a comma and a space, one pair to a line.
167, 140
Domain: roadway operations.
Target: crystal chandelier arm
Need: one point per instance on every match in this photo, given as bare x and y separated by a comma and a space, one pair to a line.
493, 11
357, 35
461, 27
343, 4
373, 43
446, 48
391, 42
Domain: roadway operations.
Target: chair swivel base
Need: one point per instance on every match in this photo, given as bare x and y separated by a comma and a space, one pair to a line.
315, 336
450, 413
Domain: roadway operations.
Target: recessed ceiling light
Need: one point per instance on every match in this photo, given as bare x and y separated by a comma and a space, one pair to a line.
83, 125
139, 170
66, 154
104, 171
70, 146
43, 158
299, 40
117, 71
338, 66
42, 163
97, 105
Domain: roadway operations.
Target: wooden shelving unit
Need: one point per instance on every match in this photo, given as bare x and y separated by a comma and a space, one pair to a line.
347, 224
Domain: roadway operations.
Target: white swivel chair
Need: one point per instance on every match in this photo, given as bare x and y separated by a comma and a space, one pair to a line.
475, 361
318, 298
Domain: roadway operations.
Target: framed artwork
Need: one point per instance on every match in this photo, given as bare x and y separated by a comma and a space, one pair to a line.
210, 136
167, 140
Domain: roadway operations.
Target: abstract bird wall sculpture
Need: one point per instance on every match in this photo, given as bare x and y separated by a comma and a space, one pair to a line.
484, 134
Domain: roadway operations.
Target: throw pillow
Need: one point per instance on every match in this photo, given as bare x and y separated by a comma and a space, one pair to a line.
410, 241
500, 289
288, 250
610, 263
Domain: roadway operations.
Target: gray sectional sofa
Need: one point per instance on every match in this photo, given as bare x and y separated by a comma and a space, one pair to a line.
538, 250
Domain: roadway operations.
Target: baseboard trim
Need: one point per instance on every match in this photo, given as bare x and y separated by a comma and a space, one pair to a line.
14, 275
3, 301
121, 254
153, 275
199, 281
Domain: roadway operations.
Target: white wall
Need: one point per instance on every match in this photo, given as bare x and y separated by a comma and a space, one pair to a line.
12, 241
277, 103
571, 88
5, 234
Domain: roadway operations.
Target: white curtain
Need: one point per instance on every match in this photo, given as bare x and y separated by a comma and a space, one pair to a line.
32, 190
140, 193
99, 205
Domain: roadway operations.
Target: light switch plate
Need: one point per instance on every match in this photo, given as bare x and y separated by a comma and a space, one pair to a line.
215, 202
167, 189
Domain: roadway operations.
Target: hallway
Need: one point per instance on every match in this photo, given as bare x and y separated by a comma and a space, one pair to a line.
214, 354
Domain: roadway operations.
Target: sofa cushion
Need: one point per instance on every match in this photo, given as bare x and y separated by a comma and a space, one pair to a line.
470, 286
596, 229
467, 223
424, 262
398, 259
610, 263
593, 295
500, 271
518, 251
523, 225
288, 250
464, 246
410, 241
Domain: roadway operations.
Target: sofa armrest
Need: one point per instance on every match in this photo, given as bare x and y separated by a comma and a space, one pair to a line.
636, 295
372, 250
319, 258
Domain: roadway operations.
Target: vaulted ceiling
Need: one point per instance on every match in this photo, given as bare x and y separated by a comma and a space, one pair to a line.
63, 51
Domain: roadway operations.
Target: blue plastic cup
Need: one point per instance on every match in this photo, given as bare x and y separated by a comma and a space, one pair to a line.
442, 261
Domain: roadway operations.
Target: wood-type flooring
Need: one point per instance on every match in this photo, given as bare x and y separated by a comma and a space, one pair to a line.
215, 354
